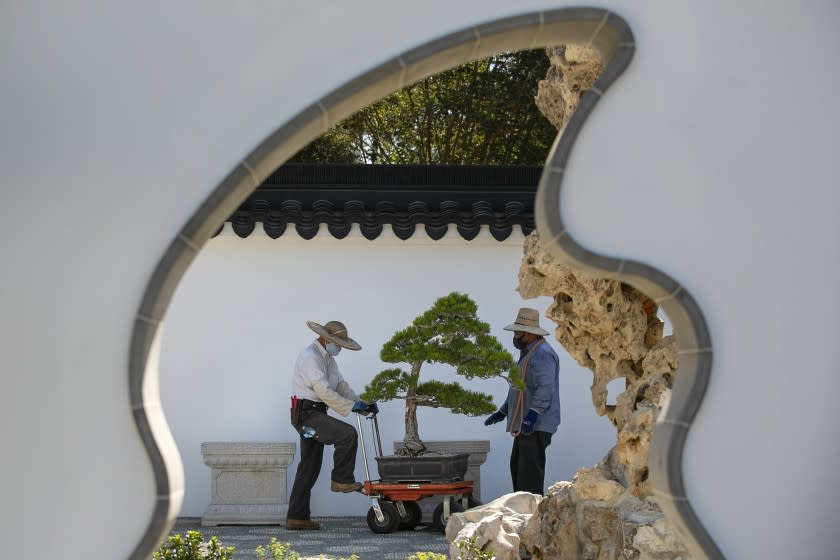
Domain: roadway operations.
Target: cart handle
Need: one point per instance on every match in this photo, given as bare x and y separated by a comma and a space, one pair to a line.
377, 439
364, 447
376, 431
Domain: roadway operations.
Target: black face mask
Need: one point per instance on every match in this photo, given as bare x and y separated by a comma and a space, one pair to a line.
519, 342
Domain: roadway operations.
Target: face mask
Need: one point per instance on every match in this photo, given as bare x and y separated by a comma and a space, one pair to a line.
333, 349
519, 342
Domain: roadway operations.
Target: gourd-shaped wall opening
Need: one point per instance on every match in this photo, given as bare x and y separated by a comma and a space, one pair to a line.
599, 32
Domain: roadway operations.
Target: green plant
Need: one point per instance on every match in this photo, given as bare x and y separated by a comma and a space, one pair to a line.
427, 556
448, 333
469, 550
191, 547
277, 550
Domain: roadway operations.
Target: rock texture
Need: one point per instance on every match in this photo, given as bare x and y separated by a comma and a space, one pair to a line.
495, 526
606, 512
595, 518
572, 71
612, 329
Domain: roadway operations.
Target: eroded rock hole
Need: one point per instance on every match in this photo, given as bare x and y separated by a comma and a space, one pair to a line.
613, 330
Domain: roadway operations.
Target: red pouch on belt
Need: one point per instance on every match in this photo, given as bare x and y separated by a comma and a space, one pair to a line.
295, 411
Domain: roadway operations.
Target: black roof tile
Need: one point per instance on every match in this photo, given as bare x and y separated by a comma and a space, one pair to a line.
404, 196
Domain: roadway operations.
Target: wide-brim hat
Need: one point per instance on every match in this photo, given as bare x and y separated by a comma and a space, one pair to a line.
335, 331
528, 320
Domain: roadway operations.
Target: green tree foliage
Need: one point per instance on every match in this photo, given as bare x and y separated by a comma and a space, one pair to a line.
482, 112
448, 333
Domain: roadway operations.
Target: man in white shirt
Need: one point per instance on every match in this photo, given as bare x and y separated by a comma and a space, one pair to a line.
318, 385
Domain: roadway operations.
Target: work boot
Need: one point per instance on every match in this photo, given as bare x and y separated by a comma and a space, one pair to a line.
304, 524
345, 486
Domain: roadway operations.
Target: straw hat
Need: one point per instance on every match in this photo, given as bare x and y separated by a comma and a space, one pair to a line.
528, 320
335, 331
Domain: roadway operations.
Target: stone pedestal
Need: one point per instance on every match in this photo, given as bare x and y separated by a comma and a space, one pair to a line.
248, 482
477, 450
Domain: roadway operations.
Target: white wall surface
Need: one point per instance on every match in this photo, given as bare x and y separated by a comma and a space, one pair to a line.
117, 120
746, 208
237, 323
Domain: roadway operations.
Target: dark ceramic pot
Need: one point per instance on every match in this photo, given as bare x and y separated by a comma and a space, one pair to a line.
425, 468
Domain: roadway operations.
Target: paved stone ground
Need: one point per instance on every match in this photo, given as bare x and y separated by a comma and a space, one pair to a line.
338, 537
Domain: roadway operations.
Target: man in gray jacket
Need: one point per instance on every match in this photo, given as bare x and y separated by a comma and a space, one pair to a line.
534, 414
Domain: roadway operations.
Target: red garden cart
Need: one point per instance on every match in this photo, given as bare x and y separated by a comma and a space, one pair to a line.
394, 503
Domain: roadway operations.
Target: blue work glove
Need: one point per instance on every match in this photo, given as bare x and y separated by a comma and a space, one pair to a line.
371, 407
495, 417
360, 407
529, 421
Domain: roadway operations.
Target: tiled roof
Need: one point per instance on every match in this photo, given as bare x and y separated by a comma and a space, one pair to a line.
404, 196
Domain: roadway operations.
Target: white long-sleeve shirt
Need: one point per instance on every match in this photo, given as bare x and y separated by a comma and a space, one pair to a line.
318, 379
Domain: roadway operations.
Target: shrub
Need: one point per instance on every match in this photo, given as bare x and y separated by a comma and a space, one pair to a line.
277, 550
469, 550
191, 547
427, 556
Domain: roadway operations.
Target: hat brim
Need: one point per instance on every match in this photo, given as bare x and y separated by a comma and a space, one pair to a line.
526, 328
348, 342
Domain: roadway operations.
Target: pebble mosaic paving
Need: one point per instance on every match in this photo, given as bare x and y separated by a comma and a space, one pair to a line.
338, 537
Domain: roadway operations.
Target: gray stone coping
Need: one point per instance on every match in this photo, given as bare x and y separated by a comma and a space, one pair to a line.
240, 454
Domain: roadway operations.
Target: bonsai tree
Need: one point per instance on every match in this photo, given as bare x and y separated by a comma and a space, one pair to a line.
448, 333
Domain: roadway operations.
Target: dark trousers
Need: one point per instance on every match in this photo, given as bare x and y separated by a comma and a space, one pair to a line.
527, 462
328, 431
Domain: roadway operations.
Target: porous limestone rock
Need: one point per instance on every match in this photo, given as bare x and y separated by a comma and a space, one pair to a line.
570, 524
573, 69
495, 526
596, 484
606, 512
658, 541
613, 330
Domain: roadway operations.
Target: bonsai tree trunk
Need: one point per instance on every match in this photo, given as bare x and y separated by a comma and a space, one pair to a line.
412, 444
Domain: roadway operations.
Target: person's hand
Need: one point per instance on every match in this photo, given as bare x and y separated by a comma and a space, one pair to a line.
361, 407
529, 421
371, 407
493, 418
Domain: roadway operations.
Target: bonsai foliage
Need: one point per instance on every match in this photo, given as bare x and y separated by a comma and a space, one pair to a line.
448, 333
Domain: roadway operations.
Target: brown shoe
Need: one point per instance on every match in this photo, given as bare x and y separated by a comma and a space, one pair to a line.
345, 486
304, 524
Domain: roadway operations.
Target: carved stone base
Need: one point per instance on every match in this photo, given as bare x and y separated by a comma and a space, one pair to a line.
477, 450
248, 482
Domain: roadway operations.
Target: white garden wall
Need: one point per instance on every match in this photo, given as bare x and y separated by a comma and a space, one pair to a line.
236, 325
120, 120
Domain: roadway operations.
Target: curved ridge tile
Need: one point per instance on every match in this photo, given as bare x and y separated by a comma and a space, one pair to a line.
371, 232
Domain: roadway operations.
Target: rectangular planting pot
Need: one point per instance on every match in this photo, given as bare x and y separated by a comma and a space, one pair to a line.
425, 468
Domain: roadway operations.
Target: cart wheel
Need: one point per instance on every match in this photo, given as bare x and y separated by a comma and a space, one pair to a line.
437, 516
391, 522
413, 515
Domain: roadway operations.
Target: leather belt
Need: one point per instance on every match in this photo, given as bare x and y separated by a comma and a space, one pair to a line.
306, 404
